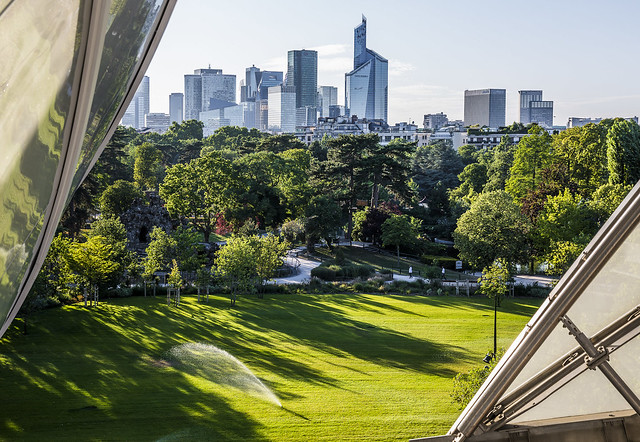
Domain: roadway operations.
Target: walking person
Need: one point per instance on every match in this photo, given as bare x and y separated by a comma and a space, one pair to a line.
410, 272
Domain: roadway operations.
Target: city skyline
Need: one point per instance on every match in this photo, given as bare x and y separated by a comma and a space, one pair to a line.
577, 55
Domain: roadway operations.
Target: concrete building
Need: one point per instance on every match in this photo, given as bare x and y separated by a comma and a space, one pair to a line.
367, 85
534, 110
435, 121
485, 107
157, 122
327, 97
579, 121
139, 106
282, 109
176, 107
203, 85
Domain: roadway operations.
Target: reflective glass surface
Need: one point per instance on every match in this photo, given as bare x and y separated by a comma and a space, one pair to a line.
37, 52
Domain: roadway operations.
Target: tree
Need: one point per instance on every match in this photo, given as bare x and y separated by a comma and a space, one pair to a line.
399, 230
465, 385
160, 251
235, 265
175, 277
532, 154
323, 219
93, 261
435, 169
389, 167
118, 197
113, 231
367, 224
186, 130
269, 252
198, 191
146, 169
623, 152
492, 228
499, 165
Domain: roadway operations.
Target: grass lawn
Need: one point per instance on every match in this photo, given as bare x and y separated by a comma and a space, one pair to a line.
345, 367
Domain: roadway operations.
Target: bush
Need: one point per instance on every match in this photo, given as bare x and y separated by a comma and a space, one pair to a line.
531, 291
465, 385
324, 273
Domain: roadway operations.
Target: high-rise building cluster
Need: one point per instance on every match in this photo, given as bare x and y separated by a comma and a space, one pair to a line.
284, 101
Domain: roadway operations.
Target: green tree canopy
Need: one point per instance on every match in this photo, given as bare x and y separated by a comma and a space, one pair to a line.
532, 154
118, 197
492, 228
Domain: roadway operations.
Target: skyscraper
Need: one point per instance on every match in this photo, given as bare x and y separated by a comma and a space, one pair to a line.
139, 106
249, 90
203, 85
176, 104
485, 107
534, 110
327, 96
367, 85
302, 75
282, 109
267, 79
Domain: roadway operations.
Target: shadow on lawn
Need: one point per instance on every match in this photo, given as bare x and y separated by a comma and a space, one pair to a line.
514, 306
77, 376
328, 328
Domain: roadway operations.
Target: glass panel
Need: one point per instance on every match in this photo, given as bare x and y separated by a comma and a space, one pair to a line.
37, 52
557, 344
123, 47
613, 291
625, 361
589, 393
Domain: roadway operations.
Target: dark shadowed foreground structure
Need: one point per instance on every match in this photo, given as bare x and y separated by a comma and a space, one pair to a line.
572, 374
68, 71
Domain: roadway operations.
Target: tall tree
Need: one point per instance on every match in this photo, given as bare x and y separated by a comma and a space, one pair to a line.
623, 152
389, 167
492, 228
147, 168
198, 191
400, 230
531, 156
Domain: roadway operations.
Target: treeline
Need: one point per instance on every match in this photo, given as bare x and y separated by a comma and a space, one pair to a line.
540, 200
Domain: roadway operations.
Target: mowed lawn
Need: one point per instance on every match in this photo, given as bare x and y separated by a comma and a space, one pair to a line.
345, 367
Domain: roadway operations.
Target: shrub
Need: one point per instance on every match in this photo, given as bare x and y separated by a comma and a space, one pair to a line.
465, 385
324, 273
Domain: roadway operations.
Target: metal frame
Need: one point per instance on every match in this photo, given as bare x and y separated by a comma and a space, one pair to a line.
568, 290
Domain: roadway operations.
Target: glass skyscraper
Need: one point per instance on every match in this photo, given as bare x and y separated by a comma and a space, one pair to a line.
302, 75
367, 85
534, 110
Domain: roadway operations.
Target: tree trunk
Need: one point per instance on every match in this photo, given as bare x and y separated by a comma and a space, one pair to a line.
375, 194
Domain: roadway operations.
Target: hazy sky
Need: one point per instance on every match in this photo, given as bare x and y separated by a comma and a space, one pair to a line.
582, 54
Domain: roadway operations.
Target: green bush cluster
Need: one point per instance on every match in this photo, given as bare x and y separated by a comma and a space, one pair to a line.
532, 291
332, 271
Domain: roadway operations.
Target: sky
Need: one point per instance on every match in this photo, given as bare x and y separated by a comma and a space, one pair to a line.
583, 55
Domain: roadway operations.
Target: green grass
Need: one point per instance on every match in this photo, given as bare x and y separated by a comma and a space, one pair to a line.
346, 367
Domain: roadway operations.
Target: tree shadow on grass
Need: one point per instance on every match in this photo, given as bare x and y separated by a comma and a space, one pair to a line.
329, 329
91, 384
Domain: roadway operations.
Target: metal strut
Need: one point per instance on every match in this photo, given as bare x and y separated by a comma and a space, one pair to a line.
599, 358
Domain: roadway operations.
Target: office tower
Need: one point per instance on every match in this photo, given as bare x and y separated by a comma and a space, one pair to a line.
203, 85
139, 106
267, 79
327, 96
485, 107
249, 91
534, 110
282, 109
157, 122
302, 75
366, 86
192, 96
176, 104
435, 121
